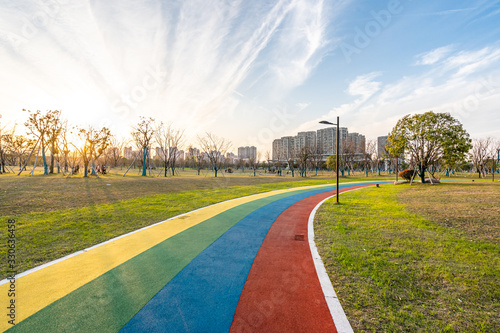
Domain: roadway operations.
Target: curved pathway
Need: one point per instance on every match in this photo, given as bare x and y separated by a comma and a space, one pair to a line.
243, 265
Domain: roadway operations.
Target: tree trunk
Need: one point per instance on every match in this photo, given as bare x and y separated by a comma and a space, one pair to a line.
52, 148
86, 169
44, 158
215, 169
421, 173
144, 155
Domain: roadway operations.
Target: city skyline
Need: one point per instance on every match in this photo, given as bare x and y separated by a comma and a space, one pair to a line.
252, 72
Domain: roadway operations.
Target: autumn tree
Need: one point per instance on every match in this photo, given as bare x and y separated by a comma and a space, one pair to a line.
17, 146
426, 138
95, 143
3, 146
215, 149
46, 128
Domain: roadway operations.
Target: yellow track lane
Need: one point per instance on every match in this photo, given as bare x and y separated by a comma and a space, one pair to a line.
40, 288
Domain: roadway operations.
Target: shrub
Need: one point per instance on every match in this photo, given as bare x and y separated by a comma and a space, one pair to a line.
407, 174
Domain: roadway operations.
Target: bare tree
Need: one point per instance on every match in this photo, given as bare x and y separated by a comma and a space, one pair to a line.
290, 159
303, 158
169, 139
142, 133
215, 149
478, 154
269, 159
254, 163
114, 152
347, 152
370, 156
199, 160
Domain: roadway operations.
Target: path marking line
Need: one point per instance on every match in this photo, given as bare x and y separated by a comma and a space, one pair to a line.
339, 317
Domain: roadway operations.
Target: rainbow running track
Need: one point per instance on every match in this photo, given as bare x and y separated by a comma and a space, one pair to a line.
243, 265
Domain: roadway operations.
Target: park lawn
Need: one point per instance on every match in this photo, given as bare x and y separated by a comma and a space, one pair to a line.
415, 259
24, 194
56, 216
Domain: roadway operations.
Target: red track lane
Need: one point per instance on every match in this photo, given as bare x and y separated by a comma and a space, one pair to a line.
282, 292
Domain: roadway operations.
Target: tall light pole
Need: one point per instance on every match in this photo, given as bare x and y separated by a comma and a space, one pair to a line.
338, 140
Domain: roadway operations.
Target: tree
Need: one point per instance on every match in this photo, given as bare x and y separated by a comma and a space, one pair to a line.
95, 143
114, 152
169, 139
478, 154
4, 138
331, 162
290, 159
215, 148
316, 157
254, 163
143, 133
426, 138
347, 151
17, 146
46, 128
371, 158
303, 157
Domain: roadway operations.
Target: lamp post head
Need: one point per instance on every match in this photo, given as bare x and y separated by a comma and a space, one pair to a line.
326, 122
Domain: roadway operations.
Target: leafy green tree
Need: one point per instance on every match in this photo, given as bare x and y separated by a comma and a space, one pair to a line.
331, 162
427, 138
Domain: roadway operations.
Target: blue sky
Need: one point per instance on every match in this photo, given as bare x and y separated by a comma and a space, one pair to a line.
252, 71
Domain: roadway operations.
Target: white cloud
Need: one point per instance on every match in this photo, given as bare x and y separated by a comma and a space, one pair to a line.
432, 57
364, 85
96, 60
472, 98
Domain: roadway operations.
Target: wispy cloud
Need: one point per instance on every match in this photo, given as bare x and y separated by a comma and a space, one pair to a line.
464, 84
432, 57
364, 85
176, 61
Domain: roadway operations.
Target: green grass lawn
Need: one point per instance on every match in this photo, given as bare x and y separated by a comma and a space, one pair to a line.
58, 215
420, 258
415, 259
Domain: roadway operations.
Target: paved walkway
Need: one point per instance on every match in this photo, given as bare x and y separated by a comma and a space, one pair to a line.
243, 265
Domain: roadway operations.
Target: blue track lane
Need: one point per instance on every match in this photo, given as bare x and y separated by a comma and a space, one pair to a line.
204, 295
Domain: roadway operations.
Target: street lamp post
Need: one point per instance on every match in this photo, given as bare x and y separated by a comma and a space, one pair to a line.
338, 139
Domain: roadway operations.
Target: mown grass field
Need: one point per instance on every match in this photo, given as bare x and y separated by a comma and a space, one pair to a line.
58, 215
419, 258
415, 259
